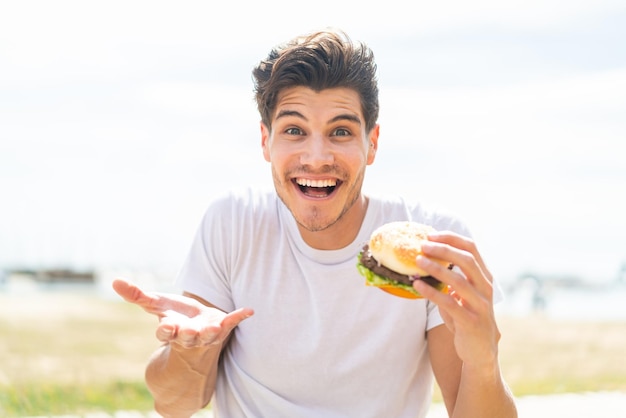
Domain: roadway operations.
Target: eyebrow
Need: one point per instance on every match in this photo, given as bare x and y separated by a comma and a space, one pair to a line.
343, 116
347, 116
285, 113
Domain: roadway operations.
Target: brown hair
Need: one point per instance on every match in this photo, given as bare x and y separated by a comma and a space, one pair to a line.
321, 60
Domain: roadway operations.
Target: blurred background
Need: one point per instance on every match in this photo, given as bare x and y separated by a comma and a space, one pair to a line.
119, 121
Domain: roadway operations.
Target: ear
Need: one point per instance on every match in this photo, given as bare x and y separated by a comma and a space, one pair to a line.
265, 139
373, 144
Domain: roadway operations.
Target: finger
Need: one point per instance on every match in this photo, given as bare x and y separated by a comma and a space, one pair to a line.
177, 328
186, 332
455, 277
167, 331
213, 334
170, 325
201, 330
461, 242
234, 318
463, 258
129, 292
133, 294
462, 292
156, 303
188, 338
445, 302
447, 319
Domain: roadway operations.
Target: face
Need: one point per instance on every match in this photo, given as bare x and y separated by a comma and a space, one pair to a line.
318, 149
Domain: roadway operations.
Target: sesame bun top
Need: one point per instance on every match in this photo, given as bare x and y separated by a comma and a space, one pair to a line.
395, 245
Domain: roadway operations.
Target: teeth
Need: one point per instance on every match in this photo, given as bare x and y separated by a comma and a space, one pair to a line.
316, 183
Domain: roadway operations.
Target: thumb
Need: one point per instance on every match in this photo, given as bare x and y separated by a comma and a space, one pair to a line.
230, 321
234, 318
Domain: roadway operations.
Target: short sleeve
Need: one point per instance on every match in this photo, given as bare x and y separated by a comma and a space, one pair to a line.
433, 316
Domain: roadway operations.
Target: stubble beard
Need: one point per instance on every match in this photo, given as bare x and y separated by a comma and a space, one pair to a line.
314, 222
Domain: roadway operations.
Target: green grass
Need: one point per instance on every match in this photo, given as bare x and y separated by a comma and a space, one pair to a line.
73, 354
69, 354
563, 384
55, 399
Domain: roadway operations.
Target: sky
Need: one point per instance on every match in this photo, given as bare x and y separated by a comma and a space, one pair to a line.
119, 121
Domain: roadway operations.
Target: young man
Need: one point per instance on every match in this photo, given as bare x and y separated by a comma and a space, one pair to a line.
320, 343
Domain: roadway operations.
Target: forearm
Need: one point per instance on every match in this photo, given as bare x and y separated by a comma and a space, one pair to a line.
182, 380
483, 393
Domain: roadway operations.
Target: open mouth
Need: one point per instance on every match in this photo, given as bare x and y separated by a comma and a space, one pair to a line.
316, 188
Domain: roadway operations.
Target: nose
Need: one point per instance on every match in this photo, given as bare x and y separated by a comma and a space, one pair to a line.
317, 152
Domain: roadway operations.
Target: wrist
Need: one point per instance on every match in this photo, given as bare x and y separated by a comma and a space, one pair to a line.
193, 357
482, 370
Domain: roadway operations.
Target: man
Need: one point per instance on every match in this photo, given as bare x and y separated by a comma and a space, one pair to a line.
320, 343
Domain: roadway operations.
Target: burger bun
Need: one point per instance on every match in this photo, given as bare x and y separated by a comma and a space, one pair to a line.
396, 246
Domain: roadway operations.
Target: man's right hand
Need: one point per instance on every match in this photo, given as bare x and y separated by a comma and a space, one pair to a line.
183, 320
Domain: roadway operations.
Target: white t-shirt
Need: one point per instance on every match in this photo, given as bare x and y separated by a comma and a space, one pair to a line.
321, 343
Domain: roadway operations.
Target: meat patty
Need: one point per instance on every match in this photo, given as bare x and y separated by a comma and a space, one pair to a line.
370, 262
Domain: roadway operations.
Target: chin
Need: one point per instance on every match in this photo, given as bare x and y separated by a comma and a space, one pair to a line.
313, 223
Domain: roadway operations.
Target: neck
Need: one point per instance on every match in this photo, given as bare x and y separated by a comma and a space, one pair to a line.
341, 233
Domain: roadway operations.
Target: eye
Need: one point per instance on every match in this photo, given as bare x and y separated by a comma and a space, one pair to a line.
293, 131
341, 132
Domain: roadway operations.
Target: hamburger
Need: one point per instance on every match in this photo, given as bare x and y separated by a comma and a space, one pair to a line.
388, 260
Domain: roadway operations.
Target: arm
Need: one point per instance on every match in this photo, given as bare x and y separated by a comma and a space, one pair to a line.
481, 390
182, 380
464, 352
181, 374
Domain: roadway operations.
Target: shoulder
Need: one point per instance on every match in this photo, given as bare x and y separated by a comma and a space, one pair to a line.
444, 219
240, 213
